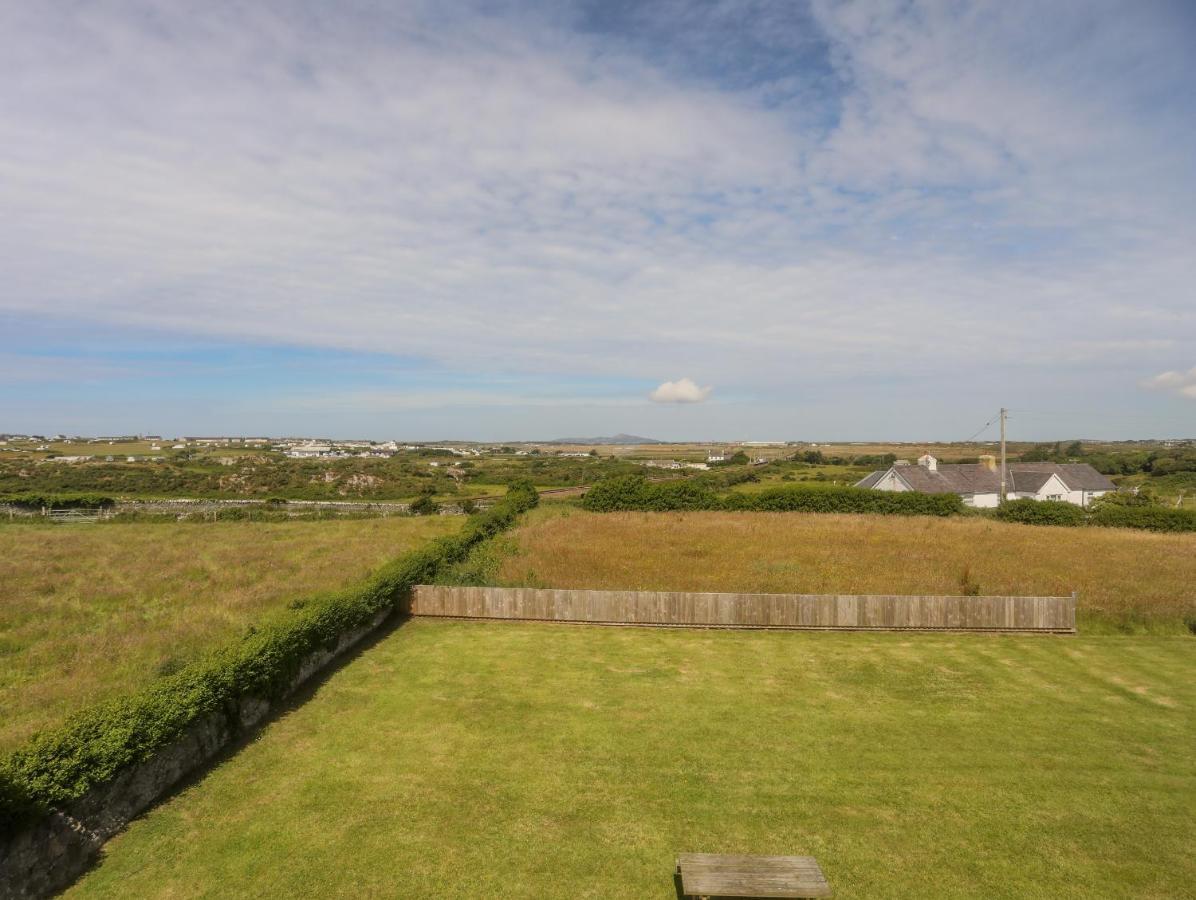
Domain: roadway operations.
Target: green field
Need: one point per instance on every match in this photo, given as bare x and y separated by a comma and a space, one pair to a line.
89, 612
474, 760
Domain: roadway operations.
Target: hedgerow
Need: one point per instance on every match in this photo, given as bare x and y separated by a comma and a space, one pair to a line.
1041, 512
845, 500
1152, 518
1108, 515
634, 492
59, 766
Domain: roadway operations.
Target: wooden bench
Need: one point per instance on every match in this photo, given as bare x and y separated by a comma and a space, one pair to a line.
722, 875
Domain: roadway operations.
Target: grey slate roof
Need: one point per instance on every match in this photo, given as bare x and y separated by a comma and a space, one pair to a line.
976, 478
870, 480
1082, 477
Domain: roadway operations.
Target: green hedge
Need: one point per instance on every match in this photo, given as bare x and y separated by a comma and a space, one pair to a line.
637, 493
846, 500
59, 501
61, 765
634, 492
1041, 512
1152, 518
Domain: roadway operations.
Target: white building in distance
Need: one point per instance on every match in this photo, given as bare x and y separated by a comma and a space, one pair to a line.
979, 484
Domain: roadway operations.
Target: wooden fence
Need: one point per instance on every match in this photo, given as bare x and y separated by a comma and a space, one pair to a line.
797, 611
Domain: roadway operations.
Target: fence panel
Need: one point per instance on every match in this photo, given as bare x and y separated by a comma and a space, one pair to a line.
871, 612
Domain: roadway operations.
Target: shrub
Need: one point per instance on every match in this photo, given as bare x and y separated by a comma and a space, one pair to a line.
1145, 496
424, 505
1152, 518
624, 492
1041, 512
59, 501
59, 766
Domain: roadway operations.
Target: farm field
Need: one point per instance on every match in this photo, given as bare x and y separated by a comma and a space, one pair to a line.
1127, 580
458, 759
92, 611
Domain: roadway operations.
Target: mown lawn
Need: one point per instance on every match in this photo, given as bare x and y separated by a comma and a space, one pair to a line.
458, 759
91, 611
1127, 580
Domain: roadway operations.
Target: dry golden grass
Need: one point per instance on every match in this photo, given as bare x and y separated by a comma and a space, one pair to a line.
90, 611
1125, 579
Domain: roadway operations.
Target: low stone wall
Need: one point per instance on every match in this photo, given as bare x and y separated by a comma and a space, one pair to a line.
49, 856
183, 507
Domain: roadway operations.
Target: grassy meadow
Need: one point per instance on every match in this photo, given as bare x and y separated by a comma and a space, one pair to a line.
1127, 580
459, 759
91, 611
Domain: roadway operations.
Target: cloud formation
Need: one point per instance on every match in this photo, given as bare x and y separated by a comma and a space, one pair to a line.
683, 390
1182, 384
787, 191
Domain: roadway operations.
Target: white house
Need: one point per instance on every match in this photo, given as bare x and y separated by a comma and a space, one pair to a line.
310, 451
979, 484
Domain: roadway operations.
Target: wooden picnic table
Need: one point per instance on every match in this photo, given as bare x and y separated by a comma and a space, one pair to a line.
723, 875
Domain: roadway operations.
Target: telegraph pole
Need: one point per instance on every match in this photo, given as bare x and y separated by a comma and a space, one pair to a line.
1003, 412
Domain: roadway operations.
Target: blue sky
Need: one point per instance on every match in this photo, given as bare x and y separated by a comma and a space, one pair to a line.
518, 220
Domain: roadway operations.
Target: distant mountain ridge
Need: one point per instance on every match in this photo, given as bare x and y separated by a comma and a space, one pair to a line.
614, 439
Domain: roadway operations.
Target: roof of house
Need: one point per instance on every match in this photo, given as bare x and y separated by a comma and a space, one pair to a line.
1080, 476
871, 480
976, 478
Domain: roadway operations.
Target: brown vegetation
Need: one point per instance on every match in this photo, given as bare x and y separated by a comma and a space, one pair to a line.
1125, 579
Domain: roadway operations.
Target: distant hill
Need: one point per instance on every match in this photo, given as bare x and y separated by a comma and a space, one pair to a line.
614, 439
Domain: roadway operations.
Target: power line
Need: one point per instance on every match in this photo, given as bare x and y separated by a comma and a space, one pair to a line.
987, 425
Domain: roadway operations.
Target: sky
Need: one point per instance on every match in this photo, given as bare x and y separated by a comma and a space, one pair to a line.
717, 220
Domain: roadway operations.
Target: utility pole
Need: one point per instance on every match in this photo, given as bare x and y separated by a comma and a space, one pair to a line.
1003, 412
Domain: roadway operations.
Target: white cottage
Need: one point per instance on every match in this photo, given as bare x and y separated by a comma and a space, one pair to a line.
979, 484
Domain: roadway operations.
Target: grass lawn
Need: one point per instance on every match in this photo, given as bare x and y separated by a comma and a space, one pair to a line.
91, 611
1127, 580
458, 759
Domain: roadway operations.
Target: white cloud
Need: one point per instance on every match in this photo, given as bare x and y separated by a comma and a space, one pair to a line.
683, 390
1182, 384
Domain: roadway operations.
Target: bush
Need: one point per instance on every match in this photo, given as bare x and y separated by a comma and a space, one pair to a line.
1104, 515
59, 501
59, 766
1152, 518
424, 505
1041, 512
624, 492
1145, 496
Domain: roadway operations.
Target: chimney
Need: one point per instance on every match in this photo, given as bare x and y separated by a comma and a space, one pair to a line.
989, 462
928, 462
